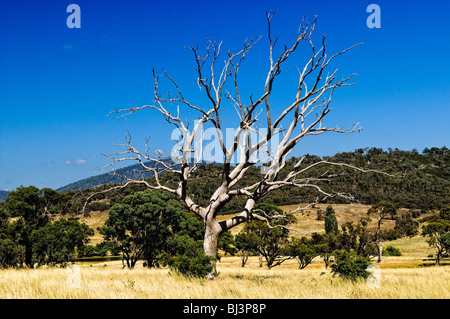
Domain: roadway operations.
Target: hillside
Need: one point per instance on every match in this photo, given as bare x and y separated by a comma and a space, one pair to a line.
306, 223
419, 181
132, 171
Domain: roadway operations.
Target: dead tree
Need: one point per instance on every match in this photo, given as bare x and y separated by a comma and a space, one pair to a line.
304, 116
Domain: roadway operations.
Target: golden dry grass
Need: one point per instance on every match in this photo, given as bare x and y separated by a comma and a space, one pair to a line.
407, 276
112, 282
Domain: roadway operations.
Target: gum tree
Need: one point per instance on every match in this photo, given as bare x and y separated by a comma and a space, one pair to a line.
438, 233
381, 211
217, 75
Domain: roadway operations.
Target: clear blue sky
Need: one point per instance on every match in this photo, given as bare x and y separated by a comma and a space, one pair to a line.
58, 84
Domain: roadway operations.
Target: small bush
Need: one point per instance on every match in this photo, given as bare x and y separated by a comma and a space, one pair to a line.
186, 257
391, 251
349, 265
188, 266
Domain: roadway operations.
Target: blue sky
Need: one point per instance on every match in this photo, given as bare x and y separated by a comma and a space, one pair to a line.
58, 84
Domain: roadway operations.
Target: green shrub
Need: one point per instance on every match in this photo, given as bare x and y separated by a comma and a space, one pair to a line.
391, 251
186, 257
349, 265
188, 266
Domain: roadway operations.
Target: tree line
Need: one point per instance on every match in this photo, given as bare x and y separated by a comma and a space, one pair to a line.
29, 237
416, 181
152, 226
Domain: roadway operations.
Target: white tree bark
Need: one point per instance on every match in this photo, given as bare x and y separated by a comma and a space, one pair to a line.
303, 117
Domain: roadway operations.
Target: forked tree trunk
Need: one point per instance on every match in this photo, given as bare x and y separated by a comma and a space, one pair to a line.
380, 250
212, 233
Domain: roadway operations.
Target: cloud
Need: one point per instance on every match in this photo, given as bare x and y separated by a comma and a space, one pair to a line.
76, 162
80, 161
67, 47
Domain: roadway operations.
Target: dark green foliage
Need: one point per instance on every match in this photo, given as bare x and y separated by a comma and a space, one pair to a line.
101, 249
9, 253
303, 250
150, 225
106, 248
329, 211
187, 257
88, 251
405, 225
100, 205
355, 237
184, 252
32, 238
422, 181
438, 233
349, 265
331, 223
391, 251
55, 243
227, 243
270, 241
247, 244
141, 225
28, 204
325, 245
198, 265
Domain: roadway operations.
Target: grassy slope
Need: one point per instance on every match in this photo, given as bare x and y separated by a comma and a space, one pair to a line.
413, 249
401, 277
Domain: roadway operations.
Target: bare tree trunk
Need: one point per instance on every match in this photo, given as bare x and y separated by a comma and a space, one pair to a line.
212, 233
380, 250
378, 240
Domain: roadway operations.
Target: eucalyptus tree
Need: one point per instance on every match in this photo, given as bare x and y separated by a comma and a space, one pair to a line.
263, 131
381, 211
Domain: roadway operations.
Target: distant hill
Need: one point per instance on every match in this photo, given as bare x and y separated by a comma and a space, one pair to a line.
3, 195
422, 180
132, 171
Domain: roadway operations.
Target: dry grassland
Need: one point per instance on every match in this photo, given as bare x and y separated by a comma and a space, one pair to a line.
110, 281
407, 276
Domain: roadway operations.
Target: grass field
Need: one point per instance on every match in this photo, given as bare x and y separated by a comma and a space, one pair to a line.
411, 275
109, 280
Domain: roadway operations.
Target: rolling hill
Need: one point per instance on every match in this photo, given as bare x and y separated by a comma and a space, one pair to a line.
419, 181
132, 171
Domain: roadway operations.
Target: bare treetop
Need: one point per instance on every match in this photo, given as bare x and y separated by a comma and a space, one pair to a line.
259, 128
